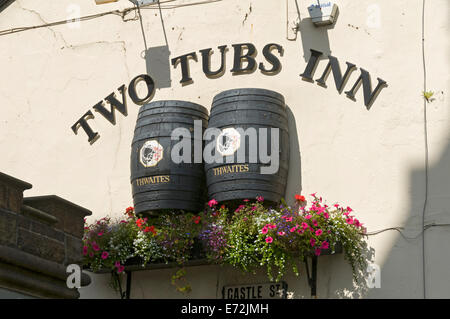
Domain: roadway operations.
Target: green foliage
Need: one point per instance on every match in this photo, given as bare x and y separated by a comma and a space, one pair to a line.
428, 96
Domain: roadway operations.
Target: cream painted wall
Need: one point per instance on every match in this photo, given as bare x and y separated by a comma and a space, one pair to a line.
372, 160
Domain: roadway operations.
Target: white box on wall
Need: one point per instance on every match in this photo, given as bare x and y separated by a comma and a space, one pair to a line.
323, 13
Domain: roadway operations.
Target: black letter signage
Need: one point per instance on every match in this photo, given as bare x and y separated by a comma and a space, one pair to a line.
184, 60
239, 58
206, 62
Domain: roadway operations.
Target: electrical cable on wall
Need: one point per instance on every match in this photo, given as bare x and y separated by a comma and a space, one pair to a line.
400, 230
121, 13
297, 25
142, 29
162, 23
426, 149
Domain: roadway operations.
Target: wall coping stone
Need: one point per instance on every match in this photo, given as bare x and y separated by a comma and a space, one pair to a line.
14, 181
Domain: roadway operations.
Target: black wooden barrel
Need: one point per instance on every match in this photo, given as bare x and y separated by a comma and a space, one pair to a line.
157, 181
244, 109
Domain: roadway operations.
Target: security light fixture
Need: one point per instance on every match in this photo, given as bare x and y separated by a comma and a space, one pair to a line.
323, 13
139, 3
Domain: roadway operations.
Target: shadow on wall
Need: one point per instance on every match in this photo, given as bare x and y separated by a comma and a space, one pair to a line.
315, 38
294, 181
400, 276
407, 282
157, 61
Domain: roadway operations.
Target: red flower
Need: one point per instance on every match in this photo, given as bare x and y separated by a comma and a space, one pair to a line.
196, 219
300, 198
140, 222
129, 211
150, 229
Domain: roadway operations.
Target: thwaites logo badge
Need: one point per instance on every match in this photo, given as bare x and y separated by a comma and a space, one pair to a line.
228, 142
151, 153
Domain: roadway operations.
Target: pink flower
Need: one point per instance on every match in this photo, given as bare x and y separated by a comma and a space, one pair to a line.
245, 200
120, 269
254, 208
269, 240
272, 226
326, 215
100, 234
317, 251
91, 254
212, 203
349, 209
105, 255
281, 233
315, 222
239, 208
117, 264
336, 205
288, 219
349, 221
95, 246
123, 222
325, 245
260, 199
308, 216
264, 230
292, 229
304, 225
300, 231
313, 194
85, 250
346, 213
312, 241
319, 232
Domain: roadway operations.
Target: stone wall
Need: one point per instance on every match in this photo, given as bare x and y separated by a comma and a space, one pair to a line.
39, 237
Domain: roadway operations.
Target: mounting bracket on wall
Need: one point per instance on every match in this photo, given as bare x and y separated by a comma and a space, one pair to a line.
312, 278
